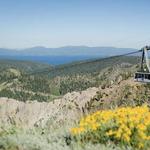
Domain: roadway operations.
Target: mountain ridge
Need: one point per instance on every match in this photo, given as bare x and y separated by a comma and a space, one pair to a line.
66, 50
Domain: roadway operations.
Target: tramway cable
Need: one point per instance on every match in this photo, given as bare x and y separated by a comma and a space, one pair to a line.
49, 70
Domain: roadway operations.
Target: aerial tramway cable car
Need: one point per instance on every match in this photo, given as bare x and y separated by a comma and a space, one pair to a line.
143, 75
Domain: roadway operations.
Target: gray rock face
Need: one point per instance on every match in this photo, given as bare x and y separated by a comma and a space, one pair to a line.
34, 113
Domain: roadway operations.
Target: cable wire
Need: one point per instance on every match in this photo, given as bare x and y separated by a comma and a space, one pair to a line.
61, 67
83, 62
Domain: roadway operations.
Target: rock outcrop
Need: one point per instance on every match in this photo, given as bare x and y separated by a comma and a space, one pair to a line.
70, 107
33, 113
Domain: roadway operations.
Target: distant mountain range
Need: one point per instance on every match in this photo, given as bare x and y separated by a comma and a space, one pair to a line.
67, 51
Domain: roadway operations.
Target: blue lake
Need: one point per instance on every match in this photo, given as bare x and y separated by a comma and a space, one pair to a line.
53, 60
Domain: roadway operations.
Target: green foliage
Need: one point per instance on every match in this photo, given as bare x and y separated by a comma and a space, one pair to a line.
24, 66
43, 139
24, 96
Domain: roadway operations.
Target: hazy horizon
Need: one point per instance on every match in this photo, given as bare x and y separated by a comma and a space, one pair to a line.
41, 46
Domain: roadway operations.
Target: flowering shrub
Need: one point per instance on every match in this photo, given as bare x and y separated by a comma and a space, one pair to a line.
125, 126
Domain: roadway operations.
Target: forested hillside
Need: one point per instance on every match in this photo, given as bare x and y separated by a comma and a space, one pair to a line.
24, 66
23, 80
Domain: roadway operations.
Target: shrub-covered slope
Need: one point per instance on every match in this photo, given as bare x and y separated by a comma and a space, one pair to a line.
33, 81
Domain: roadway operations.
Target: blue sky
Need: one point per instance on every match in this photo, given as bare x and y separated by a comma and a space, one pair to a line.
55, 23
